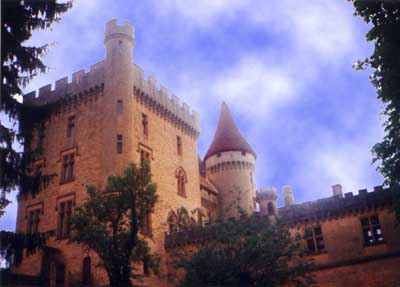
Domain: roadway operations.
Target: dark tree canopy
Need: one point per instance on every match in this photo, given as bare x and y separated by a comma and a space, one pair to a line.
109, 221
384, 16
248, 252
19, 64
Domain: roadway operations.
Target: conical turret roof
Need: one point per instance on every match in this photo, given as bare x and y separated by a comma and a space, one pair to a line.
227, 136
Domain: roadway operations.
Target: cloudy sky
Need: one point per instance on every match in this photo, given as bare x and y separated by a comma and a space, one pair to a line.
284, 67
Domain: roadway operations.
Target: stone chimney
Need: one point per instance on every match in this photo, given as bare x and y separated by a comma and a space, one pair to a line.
288, 196
337, 190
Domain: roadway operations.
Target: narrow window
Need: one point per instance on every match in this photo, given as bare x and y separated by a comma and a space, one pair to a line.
120, 107
144, 156
145, 125
119, 143
64, 216
372, 231
179, 145
314, 239
181, 182
67, 171
33, 221
86, 271
71, 127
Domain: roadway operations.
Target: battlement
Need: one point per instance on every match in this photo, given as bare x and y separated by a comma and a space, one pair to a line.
269, 194
113, 30
80, 81
162, 98
334, 206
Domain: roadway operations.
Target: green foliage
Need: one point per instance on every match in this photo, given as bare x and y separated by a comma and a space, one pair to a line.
249, 252
20, 64
108, 223
13, 244
384, 16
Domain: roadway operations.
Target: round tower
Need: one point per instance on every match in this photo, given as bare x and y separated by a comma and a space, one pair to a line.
118, 149
230, 166
267, 199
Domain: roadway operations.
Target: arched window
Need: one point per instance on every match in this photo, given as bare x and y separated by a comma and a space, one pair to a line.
181, 181
172, 222
183, 219
271, 208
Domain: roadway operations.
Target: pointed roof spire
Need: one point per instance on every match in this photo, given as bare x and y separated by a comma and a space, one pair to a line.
227, 136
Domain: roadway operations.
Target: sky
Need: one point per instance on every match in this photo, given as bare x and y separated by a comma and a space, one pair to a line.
284, 68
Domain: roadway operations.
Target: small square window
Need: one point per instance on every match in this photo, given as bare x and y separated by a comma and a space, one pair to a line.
371, 229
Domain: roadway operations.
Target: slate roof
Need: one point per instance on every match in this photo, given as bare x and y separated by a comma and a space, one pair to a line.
227, 136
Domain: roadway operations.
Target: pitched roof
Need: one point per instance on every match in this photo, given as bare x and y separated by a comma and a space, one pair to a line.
206, 184
227, 136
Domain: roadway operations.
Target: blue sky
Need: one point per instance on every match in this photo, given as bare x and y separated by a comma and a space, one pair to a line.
284, 67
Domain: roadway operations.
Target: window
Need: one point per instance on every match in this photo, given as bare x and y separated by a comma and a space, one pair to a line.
314, 239
144, 155
179, 145
181, 181
67, 171
371, 230
119, 144
146, 225
120, 107
145, 125
33, 221
172, 223
86, 271
64, 216
71, 127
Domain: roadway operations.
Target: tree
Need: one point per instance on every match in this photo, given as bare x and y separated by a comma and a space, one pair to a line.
108, 223
20, 64
251, 251
384, 16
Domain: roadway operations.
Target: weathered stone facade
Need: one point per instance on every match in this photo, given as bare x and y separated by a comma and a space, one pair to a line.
107, 117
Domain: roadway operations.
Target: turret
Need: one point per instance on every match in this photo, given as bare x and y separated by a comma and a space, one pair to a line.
267, 200
118, 90
230, 166
288, 196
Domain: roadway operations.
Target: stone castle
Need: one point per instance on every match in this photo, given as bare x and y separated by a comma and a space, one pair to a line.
111, 115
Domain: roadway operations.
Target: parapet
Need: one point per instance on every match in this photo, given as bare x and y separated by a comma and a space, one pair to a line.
160, 96
113, 29
268, 194
80, 81
334, 206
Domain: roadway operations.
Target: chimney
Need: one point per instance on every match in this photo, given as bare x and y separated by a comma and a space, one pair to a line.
337, 190
288, 196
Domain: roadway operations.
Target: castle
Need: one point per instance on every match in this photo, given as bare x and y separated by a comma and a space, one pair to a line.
111, 115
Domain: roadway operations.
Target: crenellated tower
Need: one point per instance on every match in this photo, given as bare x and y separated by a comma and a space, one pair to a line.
118, 94
230, 165
267, 200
